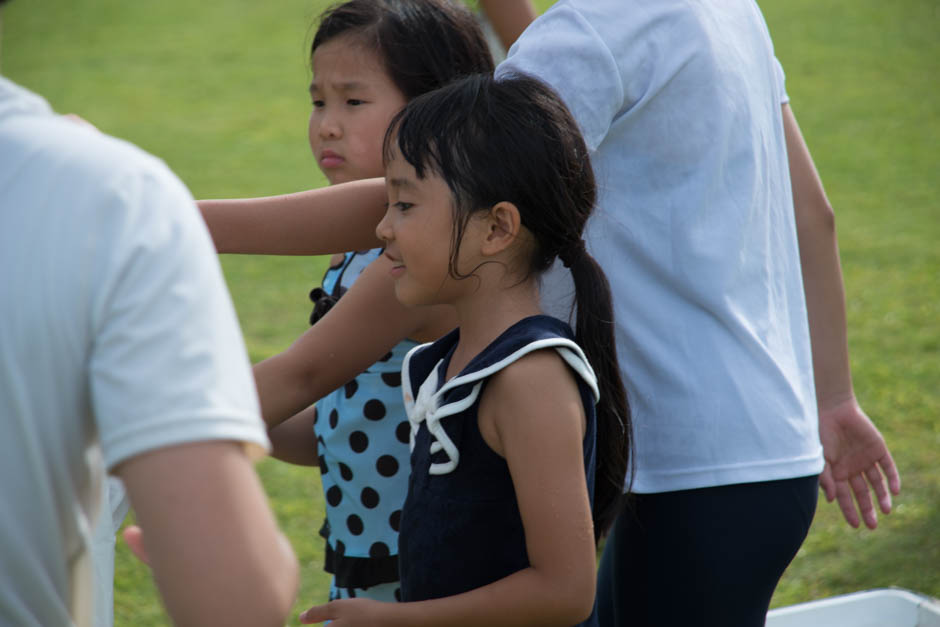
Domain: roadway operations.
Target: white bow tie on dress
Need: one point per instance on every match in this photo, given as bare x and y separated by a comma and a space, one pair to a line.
425, 409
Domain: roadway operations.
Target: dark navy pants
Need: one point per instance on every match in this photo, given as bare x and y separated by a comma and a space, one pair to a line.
706, 557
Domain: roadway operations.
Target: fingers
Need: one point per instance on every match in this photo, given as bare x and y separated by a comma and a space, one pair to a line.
134, 537
863, 498
854, 496
827, 483
316, 614
846, 503
877, 482
891, 472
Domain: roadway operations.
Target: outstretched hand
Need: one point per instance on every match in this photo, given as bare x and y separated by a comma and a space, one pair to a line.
347, 613
857, 461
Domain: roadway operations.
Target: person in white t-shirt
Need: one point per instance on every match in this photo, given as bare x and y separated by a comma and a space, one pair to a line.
120, 352
719, 243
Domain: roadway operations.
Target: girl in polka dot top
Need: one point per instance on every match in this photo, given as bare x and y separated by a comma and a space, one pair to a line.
369, 59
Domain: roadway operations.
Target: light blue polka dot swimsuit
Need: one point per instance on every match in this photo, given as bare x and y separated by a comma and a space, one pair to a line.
362, 436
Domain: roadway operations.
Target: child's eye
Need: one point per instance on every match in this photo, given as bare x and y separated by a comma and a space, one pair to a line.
403, 206
318, 104
355, 102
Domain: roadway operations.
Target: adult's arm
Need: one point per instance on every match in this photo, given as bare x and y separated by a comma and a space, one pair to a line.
211, 540
509, 18
315, 222
857, 457
361, 328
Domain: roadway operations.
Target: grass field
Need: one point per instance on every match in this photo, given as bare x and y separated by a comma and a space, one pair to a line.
218, 90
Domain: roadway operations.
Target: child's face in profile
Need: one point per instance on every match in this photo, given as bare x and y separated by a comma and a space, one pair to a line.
353, 101
417, 229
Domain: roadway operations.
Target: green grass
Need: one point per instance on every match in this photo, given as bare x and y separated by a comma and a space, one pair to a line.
862, 77
218, 90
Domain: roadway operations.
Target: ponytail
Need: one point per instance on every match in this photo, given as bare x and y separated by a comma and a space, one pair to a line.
594, 332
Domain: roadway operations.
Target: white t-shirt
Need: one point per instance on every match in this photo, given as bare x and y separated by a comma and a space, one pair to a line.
117, 336
680, 104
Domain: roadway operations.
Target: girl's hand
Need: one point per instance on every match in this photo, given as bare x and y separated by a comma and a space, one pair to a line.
348, 613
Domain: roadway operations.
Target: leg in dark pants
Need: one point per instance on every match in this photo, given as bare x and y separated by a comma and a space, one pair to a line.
711, 556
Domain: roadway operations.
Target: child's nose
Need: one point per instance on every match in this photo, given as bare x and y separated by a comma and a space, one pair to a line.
330, 127
383, 229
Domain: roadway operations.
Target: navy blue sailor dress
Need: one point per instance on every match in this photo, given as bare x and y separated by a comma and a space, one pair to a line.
461, 527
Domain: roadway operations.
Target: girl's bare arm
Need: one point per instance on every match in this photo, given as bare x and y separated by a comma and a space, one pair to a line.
509, 18
362, 327
315, 222
294, 441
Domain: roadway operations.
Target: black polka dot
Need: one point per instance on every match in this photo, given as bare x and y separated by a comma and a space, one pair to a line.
350, 388
394, 520
354, 524
340, 548
392, 379
358, 441
387, 466
334, 496
334, 418
370, 498
316, 416
374, 409
398, 594
387, 356
345, 472
403, 432
378, 549
323, 467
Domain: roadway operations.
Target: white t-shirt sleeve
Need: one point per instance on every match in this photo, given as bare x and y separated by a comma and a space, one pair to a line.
779, 75
780, 80
565, 51
168, 365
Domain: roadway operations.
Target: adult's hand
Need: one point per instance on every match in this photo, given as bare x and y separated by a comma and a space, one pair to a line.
857, 462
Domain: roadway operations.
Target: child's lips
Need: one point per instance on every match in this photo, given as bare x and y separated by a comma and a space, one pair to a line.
398, 268
330, 159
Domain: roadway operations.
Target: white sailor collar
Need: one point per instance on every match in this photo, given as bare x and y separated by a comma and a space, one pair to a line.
425, 406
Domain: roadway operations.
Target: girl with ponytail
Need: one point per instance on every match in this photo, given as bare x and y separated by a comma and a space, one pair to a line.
520, 429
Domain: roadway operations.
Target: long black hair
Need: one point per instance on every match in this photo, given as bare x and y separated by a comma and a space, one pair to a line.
512, 139
423, 44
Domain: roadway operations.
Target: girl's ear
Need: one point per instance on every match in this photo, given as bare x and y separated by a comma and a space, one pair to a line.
502, 228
